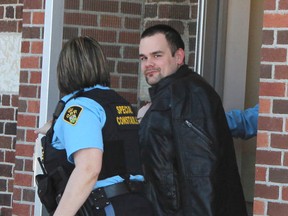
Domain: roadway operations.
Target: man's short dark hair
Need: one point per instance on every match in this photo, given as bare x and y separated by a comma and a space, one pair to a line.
172, 36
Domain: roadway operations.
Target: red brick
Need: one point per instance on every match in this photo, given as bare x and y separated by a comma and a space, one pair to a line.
35, 4
30, 136
5, 142
19, 164
278, 175
274, 54
35, 77
112, 51
101, 35
269, 5
21, 209
129, 37
282, 37
38, 18
28, 165
102, 6
265, 105
260, 174
19, 12
285, 193
268, 157
32, 33
194, 11
259, 207
33, 106
10, 128
28, 91
5, 100
265, 71
1, 12
110, 21
5, 199
129, 82
25, 150
10, 156
30, 62
37, 47
15, 100
127, 67
275, 20
27, 17
8, 26
25, 47
132, 23
23, 179
285, 163
115, 81
262, 140
131, 52
9, 12
151, 10
270, 124
26, 120
80, 19
272, 89
281, 71
280, 106
279, 209
266, 191
22, 106
131, 8
17, 194
28, 195
174, 11
72, 4
5, 211
283, 4
6, 170
7, 114
268, 37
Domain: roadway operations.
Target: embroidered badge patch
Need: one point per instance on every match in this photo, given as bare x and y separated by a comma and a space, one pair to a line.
72, 114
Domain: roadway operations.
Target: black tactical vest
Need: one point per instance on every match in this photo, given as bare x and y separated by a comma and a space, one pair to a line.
120, 136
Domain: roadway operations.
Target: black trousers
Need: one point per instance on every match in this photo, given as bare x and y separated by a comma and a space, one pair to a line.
132, 204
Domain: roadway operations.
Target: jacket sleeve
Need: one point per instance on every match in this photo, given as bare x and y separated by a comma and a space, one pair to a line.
243, 124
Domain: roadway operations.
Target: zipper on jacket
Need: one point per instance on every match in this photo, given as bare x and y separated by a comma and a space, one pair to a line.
199, 132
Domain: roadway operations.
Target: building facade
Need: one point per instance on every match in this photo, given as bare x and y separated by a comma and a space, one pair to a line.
117, 25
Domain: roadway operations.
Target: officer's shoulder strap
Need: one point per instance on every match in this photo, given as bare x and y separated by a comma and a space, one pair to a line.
61, 104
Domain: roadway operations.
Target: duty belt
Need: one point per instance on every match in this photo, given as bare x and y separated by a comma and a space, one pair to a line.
100, 197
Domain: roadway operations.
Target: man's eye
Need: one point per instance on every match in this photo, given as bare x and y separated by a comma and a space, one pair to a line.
157, 56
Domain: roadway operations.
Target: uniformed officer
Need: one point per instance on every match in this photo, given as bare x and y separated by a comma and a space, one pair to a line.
98, 131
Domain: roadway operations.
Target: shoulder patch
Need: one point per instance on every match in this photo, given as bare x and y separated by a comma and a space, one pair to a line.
72, 114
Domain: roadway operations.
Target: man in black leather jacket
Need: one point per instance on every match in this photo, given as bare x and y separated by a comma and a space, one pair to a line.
186, 147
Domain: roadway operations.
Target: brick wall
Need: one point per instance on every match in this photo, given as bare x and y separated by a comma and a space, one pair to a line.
10, 25
28, 107
271, 179
116, 25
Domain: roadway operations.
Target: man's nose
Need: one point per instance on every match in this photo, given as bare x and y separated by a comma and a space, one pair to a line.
149, 62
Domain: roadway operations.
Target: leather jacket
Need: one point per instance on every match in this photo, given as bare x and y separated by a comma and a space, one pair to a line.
187, 150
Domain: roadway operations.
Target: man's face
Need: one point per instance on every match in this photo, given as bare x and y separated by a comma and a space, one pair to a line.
156, 59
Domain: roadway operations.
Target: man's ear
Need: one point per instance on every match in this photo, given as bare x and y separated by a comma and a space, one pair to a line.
180, 56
